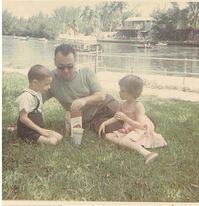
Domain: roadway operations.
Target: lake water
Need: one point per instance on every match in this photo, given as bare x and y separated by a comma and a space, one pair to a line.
23, 54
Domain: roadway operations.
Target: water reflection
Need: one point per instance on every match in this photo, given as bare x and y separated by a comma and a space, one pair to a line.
23, 54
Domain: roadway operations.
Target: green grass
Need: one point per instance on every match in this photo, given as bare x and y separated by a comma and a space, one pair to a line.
98, 170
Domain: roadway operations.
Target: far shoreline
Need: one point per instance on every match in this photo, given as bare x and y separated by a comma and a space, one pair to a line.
124, 41
169, 43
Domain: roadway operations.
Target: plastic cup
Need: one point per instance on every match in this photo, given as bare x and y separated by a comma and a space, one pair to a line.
77, 136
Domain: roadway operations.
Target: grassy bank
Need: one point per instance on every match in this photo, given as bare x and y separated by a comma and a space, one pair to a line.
98, 170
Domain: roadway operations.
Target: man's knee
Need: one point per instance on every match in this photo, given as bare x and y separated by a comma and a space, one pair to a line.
111, 103
113, 127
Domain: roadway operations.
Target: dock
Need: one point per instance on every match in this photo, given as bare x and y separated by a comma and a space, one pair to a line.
125, 41
81, 43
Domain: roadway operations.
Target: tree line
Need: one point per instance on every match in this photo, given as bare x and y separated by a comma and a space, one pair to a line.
177, 24
171, 24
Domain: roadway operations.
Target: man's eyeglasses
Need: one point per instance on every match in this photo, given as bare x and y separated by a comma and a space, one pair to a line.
63, 67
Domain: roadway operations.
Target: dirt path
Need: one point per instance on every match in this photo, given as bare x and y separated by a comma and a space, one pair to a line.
159, 84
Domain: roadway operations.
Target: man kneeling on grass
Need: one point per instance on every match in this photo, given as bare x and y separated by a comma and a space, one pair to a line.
30, 126
79, 90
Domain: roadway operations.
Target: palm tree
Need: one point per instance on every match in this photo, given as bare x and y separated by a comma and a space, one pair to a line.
111, 14
193, 8
90, 20
117, 13
8, 22
61, 15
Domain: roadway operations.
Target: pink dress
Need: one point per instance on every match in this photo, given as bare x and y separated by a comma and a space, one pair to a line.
147, 138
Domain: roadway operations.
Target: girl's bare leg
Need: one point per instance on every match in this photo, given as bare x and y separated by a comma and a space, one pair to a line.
112, 137
126, 142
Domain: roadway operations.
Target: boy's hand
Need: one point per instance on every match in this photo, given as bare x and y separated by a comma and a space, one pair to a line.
44, 132
102, 128
120, 116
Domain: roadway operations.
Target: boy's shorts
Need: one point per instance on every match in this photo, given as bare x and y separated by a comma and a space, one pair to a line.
30, 136
27, 134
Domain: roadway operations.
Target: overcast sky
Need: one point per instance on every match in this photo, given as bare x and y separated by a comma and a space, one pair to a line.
27, 8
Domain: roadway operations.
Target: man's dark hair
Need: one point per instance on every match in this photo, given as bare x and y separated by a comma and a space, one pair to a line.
65, 49
38, 72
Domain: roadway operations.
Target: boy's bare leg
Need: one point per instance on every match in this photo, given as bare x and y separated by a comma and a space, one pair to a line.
47, 140
56, 135
126, 142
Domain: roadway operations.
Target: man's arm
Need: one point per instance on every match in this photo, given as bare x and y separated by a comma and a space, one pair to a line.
96, 91
97, 97
97, 94
93, 99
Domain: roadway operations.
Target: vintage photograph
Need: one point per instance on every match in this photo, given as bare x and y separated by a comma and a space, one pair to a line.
100, 102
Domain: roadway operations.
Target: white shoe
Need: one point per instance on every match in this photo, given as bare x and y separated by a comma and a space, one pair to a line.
151, 157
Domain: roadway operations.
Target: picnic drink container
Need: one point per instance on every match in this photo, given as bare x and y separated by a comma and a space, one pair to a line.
76, 127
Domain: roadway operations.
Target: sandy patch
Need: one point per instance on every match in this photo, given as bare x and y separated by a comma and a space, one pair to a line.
169, 87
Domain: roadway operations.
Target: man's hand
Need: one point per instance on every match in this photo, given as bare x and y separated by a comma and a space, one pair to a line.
102, 128
77, 104
120, 116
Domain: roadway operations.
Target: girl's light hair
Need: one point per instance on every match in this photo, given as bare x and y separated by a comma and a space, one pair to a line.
132, 84
38, 72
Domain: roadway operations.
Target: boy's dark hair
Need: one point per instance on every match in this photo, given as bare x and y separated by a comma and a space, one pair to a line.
133, 85
65, 49
38, 72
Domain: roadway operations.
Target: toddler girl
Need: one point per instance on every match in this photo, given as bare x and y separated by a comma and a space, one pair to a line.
137, 132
